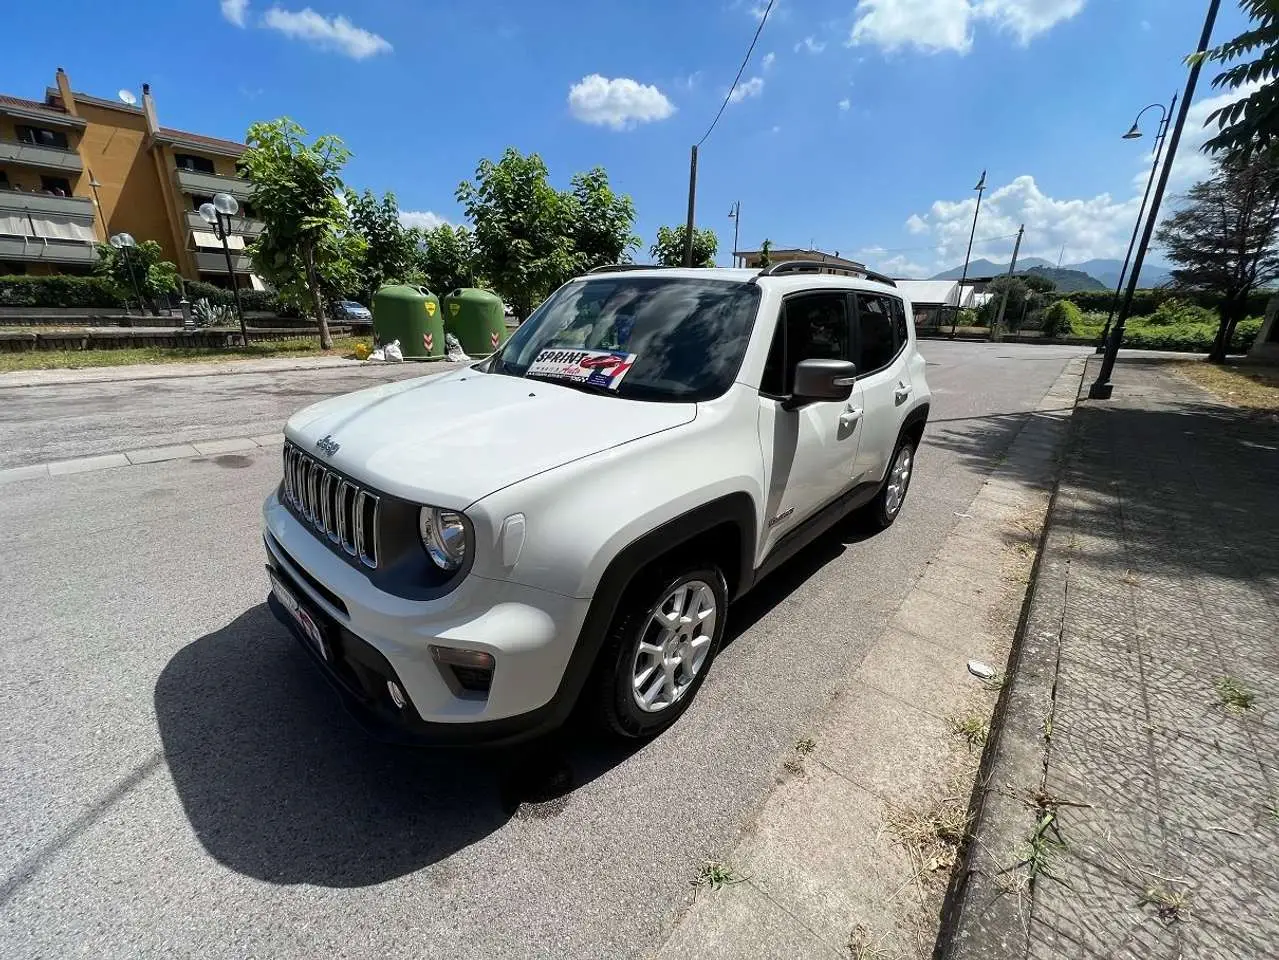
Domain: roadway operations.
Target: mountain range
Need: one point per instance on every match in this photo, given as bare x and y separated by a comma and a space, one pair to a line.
1104, 274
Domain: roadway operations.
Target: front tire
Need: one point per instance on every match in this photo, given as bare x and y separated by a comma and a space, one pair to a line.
880, 513
660, 647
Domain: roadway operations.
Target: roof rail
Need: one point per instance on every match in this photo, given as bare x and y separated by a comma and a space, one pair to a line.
619, 267
817, 266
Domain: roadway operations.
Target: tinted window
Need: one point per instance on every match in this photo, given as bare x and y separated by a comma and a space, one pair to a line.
688, 336
41, 137
875, 325
813, 326
899, 322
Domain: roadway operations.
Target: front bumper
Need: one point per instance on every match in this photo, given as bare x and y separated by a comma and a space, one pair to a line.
375, 637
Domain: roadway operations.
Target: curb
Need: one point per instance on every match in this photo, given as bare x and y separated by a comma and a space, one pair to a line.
176, 371
134, 458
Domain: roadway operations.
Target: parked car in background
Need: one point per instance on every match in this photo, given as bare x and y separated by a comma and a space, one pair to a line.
349, 311
469, 555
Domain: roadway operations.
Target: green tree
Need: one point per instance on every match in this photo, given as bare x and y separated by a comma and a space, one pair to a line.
156, 277
766, 253
668, 249
523, 228
1223, 239
1037, 282
308, 250
390, 248
1015, 289
1252, 122
446, 258
603, 222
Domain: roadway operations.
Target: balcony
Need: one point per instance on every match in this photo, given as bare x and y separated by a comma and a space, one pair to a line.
210, 261
207, 184
36, 250
35, 155
79, 209
241, 225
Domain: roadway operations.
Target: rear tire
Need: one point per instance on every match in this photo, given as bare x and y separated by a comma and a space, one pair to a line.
659, 649
880, 513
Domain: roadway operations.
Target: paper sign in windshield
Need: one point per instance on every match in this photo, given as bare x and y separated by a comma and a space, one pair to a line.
599, 368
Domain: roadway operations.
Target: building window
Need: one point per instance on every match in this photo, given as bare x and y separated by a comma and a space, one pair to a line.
4, 181
58, 186
40, 137
186, 161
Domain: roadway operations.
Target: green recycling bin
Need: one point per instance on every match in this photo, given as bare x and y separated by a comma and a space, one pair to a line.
411, 315
477, 318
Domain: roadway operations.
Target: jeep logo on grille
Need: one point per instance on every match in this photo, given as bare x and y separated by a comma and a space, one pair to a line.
327, 445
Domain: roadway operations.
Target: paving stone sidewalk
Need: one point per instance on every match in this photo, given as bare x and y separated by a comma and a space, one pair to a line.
1132, 807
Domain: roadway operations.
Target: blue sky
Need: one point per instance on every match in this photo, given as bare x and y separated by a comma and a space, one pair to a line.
861, 126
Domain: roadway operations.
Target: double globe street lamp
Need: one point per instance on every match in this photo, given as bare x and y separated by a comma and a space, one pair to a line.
124, 242
218, 215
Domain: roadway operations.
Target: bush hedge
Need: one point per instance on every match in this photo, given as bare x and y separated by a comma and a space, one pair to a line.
1146, 302
1062, 317
57, 291
1185, 336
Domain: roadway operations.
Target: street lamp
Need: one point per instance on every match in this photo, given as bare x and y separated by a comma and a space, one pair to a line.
1134, 133
124, 242
959, 294
736, 216
218, 215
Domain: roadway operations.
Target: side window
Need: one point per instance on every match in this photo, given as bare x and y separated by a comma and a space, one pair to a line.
812, 326
899, 323
875, 324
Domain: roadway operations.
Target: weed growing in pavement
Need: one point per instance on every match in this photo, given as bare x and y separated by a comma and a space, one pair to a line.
933, 835
1273, 810
993, 684
714, 874
1170, 905
805, 746
974, 730
793, 765
1234, 695
862, 947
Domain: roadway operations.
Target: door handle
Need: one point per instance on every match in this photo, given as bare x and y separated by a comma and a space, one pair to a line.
902, 391
850, 416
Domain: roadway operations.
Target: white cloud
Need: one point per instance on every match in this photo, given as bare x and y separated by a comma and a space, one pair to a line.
747, 88
902, 266
917, 224
337, 34
234, 10
936, 25
768, 59
425, 219
845, 104
619, 103
757, 10
1145, 24
810, 44
1088, 227
777, 130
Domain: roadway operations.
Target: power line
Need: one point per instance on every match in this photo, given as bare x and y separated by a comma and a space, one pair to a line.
937, 246
740, 70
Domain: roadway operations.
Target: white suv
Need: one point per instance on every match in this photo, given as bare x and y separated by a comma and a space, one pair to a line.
469, 555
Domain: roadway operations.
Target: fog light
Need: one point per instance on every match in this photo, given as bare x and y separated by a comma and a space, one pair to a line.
397, 695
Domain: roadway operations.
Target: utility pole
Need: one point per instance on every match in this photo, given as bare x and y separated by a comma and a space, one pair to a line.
692, 201
995, 332
736, 216
1102, 388
959, 293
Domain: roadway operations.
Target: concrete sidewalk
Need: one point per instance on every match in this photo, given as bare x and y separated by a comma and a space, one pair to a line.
168, 371
1132, 806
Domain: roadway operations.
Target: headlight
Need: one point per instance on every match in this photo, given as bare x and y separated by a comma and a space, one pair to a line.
444, 536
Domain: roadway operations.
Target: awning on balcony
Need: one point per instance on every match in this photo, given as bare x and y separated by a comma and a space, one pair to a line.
54, 229
204, 238
15, 225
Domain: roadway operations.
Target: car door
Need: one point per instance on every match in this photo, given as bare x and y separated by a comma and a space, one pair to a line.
809, 451
884, 379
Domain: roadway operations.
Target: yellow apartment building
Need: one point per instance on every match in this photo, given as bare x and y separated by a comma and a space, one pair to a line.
75, 169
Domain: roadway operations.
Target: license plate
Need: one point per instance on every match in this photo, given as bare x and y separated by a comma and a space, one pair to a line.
310, 628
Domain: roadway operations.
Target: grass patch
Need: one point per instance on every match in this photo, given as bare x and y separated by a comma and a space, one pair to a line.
1234, 695
861, 946
1170, 904
933, 835
714, 874
805, 746
1251, 384
973, 730
79, 359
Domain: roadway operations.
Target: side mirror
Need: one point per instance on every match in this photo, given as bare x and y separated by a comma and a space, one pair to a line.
823, 380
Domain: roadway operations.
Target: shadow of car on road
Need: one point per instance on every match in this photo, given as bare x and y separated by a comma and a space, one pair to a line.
279, 783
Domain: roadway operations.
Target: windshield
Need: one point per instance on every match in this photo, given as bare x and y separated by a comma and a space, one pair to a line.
643, 338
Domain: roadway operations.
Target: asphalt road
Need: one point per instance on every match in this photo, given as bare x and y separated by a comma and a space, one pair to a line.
176, 779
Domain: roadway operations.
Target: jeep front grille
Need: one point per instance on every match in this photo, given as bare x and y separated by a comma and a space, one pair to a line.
337, 508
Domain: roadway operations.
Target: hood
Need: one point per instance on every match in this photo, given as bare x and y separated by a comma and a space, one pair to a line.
452, 439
